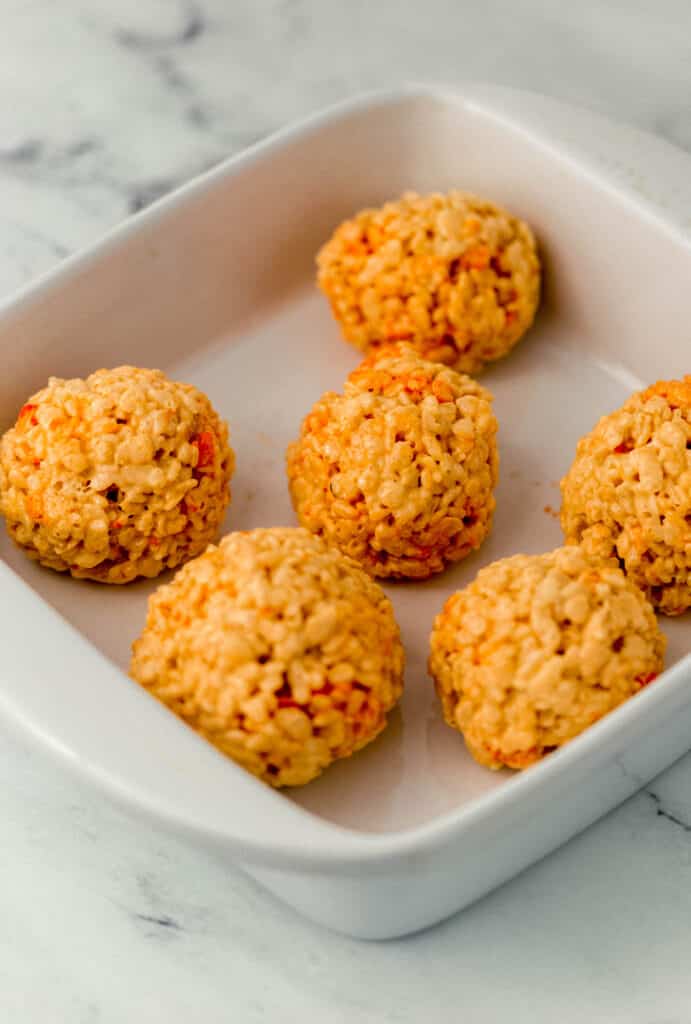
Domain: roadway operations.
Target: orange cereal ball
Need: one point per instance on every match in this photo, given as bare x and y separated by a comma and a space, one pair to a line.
120, 475
627, 497
454, 275
398, 471
536, 649
275, 648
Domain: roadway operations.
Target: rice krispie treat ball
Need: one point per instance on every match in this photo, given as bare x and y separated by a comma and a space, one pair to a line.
627, 496
121, 475
398, 471
277, 649
455, 275
536, 649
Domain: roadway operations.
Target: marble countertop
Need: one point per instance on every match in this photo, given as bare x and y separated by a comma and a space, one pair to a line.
104, 107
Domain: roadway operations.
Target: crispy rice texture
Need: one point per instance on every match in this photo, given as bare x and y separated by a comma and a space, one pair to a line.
277, 649
455, 275
627, 497
121, 475
536, 649
399, 470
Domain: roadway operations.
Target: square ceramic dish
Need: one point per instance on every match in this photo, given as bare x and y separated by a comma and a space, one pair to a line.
215, 284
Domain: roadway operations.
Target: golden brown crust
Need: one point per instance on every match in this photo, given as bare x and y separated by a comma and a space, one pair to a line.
627, 497
399, 471
277, 649
117, 476
453, 274
536, 649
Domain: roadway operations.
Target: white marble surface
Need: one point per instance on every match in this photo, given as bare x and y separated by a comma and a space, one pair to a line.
104, 106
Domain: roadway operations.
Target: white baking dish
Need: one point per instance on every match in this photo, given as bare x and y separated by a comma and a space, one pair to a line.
215, 285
